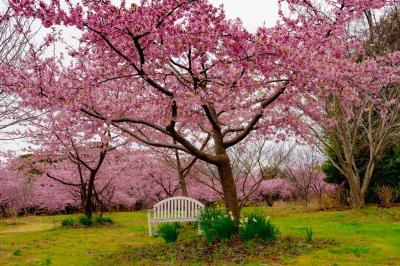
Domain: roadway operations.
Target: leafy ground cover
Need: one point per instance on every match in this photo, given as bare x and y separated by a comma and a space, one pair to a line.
353, 237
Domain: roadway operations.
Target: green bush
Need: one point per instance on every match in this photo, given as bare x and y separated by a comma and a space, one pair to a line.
257, 226
67, 222
85, 220
169, 232
217, 225
101, 220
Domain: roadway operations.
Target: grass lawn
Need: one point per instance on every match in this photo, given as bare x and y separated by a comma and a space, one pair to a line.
363, 237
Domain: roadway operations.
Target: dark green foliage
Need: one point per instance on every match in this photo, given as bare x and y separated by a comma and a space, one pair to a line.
85, 220
169, 232
386, 172
217, 224
257, 226
101, 220
67, 222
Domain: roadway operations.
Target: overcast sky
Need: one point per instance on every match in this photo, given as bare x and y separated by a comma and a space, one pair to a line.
253, 13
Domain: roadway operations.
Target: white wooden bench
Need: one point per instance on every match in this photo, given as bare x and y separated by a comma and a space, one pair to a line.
175, 209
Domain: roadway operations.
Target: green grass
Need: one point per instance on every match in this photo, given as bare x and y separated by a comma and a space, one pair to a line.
363, 237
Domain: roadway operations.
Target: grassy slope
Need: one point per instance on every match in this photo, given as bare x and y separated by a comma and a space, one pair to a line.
367, 237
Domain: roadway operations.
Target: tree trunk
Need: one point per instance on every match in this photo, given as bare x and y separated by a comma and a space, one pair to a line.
182, 181
229, 187
357, 198
225, 173
89, 195
182, 184
83, 195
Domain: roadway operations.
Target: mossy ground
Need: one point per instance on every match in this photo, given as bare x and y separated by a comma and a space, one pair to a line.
370, 236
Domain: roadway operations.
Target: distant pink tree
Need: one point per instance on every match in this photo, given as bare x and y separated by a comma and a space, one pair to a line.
15, 192
272, 190
71, 149
24, 191
303, 172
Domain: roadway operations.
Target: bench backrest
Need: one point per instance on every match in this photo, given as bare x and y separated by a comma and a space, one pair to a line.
177, 207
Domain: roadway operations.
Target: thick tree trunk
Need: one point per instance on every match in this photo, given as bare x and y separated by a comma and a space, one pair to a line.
229, 187
88, 208
182, 180
225, 173
182, 184
89, 195
357, 198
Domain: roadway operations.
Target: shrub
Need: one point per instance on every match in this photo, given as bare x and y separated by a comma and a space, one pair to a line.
216, 224
101, 220
329, 200
85, 220
386, 195
169, 232
270, 198
257, 226
17, 252
309, 235
67, 222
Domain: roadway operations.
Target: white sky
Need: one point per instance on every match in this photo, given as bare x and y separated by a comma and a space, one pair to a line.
252, 13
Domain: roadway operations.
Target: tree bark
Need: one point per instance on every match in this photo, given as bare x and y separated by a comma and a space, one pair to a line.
357, 198
229, 187
224, 167
88, 203
181, 177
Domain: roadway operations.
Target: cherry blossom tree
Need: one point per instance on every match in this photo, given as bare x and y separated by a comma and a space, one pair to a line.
181, 70
272, 190
71, 149
358, 131
26, 190
15, 192
303, 172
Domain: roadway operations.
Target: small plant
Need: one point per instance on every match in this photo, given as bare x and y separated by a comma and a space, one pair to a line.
257, 226
67, 222
386, 195
101, 220
169, 232
217, 224
46, 262
309, 235
85, 220
17, 252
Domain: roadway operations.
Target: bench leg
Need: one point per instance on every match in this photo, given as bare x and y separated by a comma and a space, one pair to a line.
149, 223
